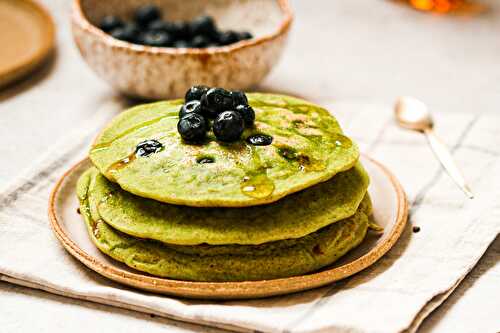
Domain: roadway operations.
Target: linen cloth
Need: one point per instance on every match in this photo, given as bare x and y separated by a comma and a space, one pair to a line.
393, 295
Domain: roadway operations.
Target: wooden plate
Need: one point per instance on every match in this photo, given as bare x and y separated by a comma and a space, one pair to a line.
390, 211
26, 38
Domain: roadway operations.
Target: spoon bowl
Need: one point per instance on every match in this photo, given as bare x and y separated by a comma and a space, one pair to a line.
413, 114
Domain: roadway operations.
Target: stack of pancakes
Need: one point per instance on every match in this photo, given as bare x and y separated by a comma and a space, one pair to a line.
217, 211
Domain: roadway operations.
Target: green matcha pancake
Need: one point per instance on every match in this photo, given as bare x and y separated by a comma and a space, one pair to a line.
295, 216
307, 148
226, 262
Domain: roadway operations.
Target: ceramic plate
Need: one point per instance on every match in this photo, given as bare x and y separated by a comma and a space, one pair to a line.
390, 211
26, 38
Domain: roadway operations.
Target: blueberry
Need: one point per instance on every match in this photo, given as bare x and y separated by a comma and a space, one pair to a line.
192, 127
227, 37
190, 107
147, 14
148, 147
247, 113
177, 30
200, 41
156, 38
260, 140
160, 25
244, 35
110, 22
119, 33
215, 101
180, 30
203, 25
129, 33
181, 44
228, 126
239, 98
195, 93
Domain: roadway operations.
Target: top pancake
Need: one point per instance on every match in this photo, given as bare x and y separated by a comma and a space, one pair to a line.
308, 148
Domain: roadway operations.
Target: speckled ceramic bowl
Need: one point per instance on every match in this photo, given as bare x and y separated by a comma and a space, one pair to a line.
160, 73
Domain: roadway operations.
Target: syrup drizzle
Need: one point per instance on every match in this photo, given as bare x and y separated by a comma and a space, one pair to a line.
117, 166
140, 126
257, 185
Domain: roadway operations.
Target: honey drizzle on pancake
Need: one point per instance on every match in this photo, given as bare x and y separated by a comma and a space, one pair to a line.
342, 141
257, 185
113, 168
140, 126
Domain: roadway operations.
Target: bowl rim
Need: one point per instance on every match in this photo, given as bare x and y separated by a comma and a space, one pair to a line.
79, 18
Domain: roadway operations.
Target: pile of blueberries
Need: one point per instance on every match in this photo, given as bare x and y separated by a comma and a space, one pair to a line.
148, 28
229, 111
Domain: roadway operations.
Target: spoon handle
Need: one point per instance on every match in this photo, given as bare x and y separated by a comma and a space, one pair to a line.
444, 156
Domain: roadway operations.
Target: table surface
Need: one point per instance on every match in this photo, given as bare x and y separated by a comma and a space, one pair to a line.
343, 50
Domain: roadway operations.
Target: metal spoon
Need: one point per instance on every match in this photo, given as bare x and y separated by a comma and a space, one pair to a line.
413, 114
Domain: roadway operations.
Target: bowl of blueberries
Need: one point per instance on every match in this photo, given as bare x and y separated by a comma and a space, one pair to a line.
158, 49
